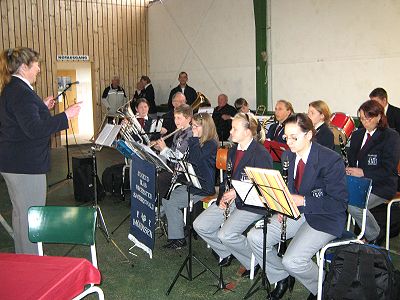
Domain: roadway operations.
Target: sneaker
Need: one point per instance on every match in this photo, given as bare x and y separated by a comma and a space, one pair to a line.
175, 244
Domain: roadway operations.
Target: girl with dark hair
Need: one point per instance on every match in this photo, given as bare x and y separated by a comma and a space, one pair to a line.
25, 128
374, 153
317, 182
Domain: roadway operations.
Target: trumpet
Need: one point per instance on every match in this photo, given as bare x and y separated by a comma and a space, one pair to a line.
151, 144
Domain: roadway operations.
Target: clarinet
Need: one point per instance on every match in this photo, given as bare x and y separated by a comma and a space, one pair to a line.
227, 210
282, 243
175, 175
343, 151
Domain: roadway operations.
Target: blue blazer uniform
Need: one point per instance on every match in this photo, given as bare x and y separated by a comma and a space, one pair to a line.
325, 136
25, 128
324, 187
255, 156
378, 159
279, 137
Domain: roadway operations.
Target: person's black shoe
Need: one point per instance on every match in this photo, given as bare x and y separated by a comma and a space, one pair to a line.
282, 286
225, 262
312, 297
175, 244
246, 274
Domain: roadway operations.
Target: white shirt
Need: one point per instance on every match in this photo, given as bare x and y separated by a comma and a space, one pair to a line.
24, 80
366, 136
245, 147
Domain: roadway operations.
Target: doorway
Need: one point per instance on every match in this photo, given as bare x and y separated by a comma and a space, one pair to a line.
80, 129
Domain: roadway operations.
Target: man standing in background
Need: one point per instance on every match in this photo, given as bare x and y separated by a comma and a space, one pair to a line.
222, 117
392, 112
189, 92
113, 97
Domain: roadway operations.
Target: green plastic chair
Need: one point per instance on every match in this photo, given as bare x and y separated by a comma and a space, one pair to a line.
65, 225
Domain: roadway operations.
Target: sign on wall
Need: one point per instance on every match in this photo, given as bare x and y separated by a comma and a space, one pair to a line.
72, 57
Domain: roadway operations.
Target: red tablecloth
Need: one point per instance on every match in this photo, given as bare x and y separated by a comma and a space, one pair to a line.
44, 277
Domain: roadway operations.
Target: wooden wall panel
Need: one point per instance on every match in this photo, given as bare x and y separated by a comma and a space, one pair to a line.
114, 33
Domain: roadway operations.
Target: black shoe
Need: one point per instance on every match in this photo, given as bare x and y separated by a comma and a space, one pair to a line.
312, 297
246, 274
175, 244
225, 262
282, 286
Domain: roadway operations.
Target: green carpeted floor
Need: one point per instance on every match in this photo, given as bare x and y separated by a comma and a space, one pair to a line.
142, 277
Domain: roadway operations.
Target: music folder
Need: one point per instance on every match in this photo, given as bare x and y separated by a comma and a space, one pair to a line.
275, 149
266, 189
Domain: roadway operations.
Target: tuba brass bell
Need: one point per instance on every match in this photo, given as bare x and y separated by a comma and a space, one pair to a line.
201, 101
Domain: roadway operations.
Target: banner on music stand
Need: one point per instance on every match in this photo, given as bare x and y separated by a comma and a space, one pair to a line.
143, 199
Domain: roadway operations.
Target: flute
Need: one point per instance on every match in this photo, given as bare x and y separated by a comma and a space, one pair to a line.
165, 137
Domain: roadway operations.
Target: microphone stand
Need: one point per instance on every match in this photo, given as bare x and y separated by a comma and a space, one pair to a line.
69, 174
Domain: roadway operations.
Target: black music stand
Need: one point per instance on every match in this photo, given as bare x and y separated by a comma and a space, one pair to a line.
188, 261
262, 205
105, 138
64, 94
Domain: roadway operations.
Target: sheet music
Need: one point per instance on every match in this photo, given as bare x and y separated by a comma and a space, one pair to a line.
151, 155
156, 125
247, 193
108, 135
274, 191
207, 109
193, 177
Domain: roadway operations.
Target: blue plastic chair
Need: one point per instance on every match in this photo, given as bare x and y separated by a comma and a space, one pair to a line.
359, 189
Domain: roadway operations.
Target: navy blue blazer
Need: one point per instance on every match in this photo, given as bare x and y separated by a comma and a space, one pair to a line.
271, 133
25, 129
203, 160
255, 156
324, 187
325, 137
378, 159
148, 94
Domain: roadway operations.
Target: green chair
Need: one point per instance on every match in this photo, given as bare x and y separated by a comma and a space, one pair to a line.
65, 225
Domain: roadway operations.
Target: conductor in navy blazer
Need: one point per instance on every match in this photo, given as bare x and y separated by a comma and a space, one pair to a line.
374, 153
25, 128
321, 197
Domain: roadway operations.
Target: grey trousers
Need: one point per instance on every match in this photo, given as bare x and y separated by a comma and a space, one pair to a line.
172, 208
297, 260
25, 190
371, 227
229, 238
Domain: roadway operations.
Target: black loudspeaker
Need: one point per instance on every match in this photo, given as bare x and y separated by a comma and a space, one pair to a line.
82, 168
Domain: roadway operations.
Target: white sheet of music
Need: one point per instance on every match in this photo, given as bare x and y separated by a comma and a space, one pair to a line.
156, 125
193, 177
108, 135
247, 192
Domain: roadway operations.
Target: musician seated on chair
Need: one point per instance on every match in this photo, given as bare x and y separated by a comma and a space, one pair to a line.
142, 115
183, 116
321, 196
169, 122
374, 153
228, 241
283, 109
320, 114
202, 154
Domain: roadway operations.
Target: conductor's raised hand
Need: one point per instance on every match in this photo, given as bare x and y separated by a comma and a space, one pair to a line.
49, 102
73, 110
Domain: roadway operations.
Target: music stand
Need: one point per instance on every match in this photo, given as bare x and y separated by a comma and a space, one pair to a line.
64, 94
275, 149
105, 138
268, 192
189, 173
